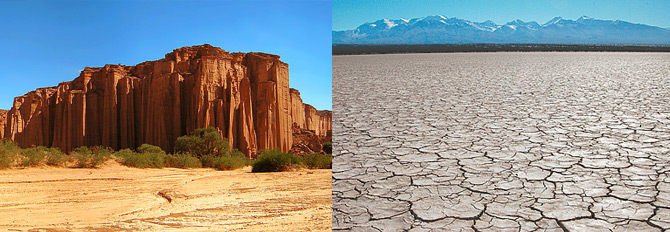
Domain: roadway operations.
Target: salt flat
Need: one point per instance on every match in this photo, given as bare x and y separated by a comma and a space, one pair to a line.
502, 142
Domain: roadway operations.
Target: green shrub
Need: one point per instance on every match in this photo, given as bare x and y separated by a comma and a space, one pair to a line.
55, 157
9, 146
275, 161
8, 153
82, 155
103, 151
207, 161
328, 147
202, 142
122, 155
33, 156
91, 158
182, 161
231, 162
7, 158
147, 159
147, 148
318, 161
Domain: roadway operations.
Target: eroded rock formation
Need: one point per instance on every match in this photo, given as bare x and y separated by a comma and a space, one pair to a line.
319, 121
246, 96
306, 141
3, 121
311, 128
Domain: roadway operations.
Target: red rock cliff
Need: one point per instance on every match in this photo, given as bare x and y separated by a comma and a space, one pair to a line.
245, 96
3, 122
311, 128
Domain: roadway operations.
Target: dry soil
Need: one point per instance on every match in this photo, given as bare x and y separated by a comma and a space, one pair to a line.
119, 198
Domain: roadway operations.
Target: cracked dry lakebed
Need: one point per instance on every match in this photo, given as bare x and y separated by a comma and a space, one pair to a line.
118, 198
502, 142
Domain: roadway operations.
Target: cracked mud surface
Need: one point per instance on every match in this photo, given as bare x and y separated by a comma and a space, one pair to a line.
118, 198
502, 142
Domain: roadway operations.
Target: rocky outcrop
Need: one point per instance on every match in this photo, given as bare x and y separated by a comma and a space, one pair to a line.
307, 117
306, 142
318, 121
246, 96
3, 122
311, 128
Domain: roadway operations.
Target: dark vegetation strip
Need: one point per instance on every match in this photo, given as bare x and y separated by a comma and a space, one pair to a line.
202, 148
359, 49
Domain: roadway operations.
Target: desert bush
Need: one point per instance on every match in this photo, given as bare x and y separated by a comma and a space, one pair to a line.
55, 157
318, 161
9, 145
103, 151
202, 142
207, 161
148, 148
121, 155
82, 155
91, 157
231, 162
182, 161
6, 159
328, 147
33, 156
275, 161
146, 160
8, 151
149, 158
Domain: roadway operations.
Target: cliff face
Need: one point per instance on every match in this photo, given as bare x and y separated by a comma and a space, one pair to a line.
3, 121
307, 117
245, 96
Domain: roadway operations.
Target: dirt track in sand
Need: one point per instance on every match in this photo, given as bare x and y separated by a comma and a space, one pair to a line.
118, 198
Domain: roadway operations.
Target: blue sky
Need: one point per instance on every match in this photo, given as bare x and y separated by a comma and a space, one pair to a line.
349, 14
44, 43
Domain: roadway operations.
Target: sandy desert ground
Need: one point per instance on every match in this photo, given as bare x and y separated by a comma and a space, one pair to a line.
118, 198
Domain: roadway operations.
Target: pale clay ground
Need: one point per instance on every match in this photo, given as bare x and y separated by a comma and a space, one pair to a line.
119, 198
502, 142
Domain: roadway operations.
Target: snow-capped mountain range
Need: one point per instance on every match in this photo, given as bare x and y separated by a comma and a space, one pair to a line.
440, 29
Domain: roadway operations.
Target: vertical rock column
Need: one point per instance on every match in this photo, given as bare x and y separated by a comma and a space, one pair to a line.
297, 109
325, 123
160, 106
70, 118
270, 91
27, 120
3, 122
126, 110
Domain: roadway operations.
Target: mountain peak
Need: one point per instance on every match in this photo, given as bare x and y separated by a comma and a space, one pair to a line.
440, 29
435, 17
489, 23
516, 22
584, 18
554, 20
